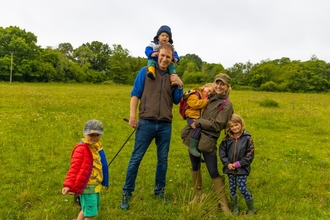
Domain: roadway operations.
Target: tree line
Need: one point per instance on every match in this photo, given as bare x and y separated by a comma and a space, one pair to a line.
22, 60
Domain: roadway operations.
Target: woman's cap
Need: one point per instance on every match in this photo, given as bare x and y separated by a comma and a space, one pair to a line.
164, 29
93, 127
223, 78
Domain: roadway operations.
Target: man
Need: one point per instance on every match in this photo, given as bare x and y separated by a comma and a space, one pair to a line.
156, 99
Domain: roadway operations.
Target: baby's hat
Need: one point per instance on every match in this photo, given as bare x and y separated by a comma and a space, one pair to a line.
165, 29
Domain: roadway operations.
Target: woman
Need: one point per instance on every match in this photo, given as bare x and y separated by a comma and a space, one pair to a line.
214, 119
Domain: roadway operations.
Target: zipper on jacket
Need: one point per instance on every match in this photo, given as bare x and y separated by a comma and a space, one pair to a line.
160, 96
234, 158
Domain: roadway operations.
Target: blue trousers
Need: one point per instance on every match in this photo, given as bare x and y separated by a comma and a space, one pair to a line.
241, 182
147, 131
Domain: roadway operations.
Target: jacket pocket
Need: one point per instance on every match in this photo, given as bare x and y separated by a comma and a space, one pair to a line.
207, 143
186, 134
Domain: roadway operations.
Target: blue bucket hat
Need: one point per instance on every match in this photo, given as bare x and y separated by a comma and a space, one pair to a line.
163, 29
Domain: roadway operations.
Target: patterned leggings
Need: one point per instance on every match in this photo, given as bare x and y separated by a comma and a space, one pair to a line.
241, 181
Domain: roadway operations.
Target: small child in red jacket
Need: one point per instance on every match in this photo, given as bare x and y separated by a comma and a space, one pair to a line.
88, 171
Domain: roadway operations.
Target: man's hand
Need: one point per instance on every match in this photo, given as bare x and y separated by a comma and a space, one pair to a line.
133, 123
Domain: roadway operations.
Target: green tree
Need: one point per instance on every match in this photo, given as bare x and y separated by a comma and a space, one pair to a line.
193, 57
67, 49
22, 46
58, 61
135, 65
181, 67
211, 70
119, 67
266, 71
239, 73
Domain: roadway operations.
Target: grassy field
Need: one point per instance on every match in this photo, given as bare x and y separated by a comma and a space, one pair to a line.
41, 123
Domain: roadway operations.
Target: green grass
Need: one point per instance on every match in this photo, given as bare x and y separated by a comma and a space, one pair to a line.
41, 123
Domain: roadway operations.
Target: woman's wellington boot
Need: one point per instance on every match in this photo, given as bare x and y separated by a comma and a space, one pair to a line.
219, 187
197, 183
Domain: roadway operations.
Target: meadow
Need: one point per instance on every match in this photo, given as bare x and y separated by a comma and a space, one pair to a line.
41, 123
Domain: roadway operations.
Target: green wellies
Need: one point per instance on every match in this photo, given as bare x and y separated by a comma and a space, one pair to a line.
234, 200
250, 205
193, 147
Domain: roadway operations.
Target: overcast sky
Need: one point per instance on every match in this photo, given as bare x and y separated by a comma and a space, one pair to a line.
218, 31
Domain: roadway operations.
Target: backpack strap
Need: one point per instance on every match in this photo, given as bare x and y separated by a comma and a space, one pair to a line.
224, 102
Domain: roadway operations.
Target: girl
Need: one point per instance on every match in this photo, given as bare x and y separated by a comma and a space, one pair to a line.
237, 153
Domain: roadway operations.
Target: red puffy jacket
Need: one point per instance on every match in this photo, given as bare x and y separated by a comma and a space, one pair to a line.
80, 168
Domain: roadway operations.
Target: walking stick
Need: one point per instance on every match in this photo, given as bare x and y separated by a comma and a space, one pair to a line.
125, 119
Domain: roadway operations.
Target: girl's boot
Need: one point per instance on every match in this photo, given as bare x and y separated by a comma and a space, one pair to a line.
197, 183
219, 187
250, 205
234, 200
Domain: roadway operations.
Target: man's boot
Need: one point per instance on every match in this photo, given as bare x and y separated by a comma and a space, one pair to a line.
234, 200
219, 187
250, 205
124, 200
197, 184
193, 144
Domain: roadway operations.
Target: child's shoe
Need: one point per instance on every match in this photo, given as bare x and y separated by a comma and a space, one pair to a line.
174, 84
193, 147
151, 72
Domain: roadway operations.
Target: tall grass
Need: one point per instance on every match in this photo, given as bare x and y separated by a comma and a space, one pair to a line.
40, 124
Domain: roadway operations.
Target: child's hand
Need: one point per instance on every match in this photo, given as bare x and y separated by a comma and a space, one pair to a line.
175, 60
154, 54
231, 166
65, 190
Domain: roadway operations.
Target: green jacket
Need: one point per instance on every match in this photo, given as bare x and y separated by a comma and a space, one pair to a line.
212, 122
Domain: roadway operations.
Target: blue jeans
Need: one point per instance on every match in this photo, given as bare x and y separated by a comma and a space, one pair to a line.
146, 132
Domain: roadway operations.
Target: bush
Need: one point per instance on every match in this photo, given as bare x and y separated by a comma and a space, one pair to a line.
269, 103
269, 86
108, 82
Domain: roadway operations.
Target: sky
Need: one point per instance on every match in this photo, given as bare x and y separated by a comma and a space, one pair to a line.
218, 31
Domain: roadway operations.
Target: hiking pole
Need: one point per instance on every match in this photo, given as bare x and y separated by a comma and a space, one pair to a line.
125, 119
